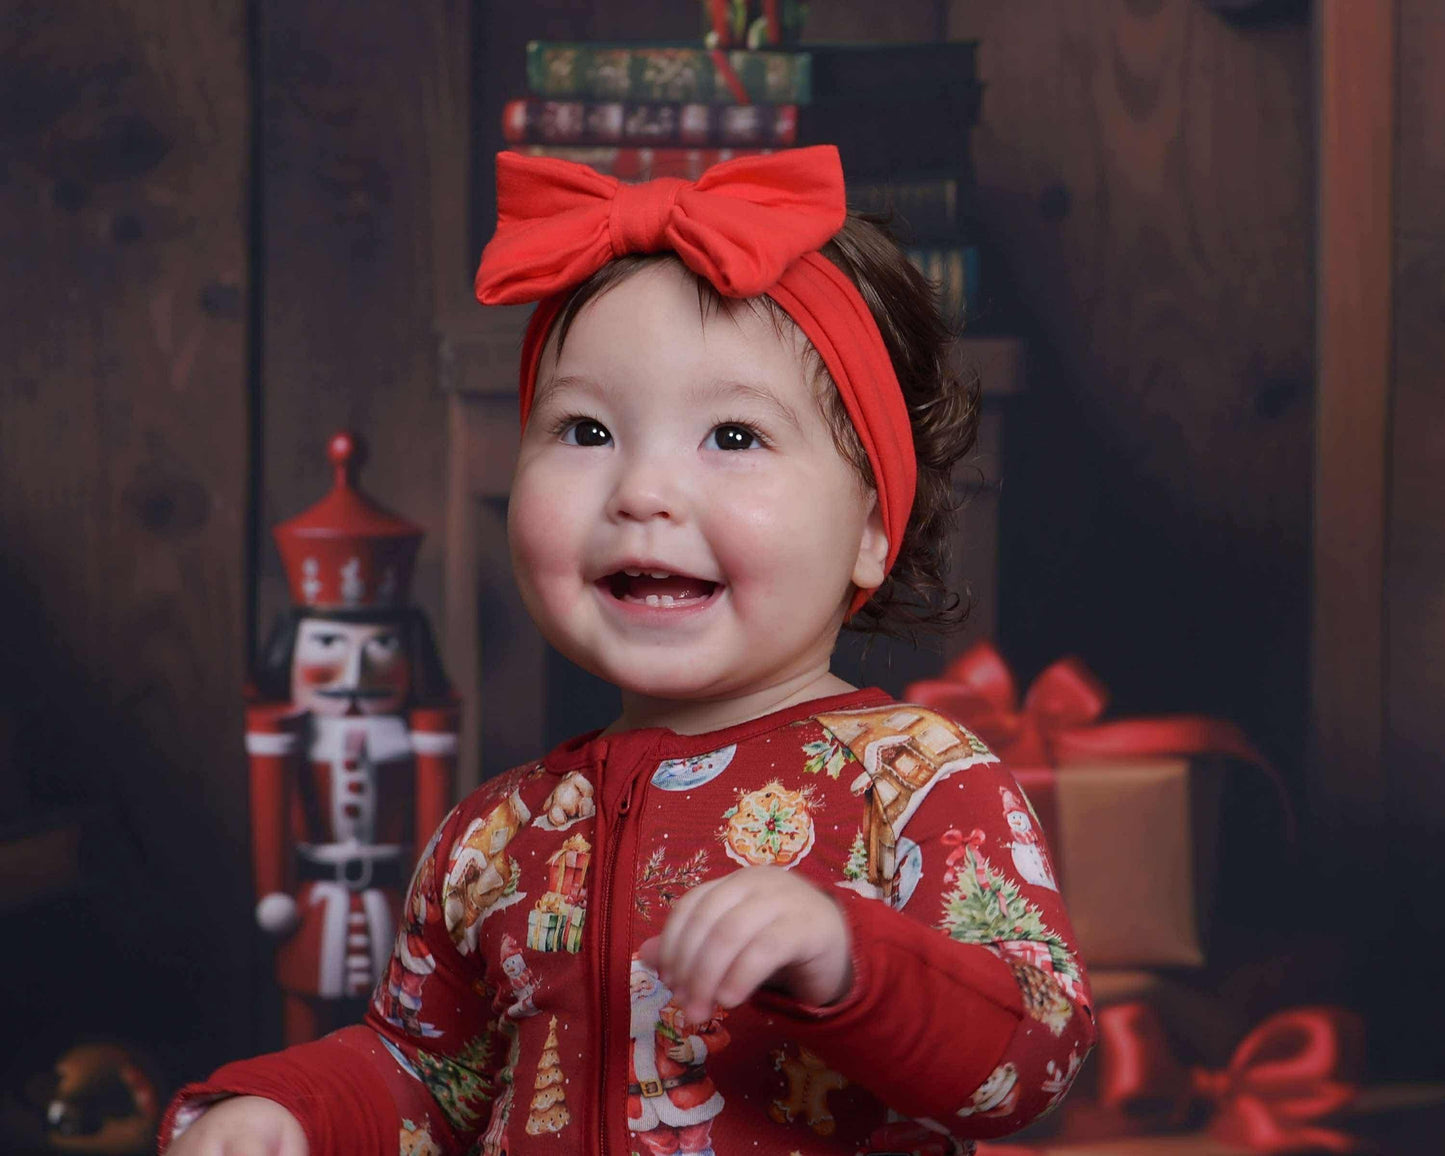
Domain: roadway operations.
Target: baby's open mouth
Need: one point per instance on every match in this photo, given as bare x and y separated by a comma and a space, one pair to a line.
656, 588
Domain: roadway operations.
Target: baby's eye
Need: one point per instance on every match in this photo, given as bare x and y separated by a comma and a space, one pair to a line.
734, 437
585, 431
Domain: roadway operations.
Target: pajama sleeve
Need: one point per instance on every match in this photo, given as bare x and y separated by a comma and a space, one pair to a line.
969, 1005
424, 1063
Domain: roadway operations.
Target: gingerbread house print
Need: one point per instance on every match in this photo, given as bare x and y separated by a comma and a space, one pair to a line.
906, 751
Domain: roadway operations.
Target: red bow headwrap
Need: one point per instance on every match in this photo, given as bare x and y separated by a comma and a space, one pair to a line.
750, 226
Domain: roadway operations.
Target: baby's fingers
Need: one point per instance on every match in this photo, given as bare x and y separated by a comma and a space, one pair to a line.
753, 963
737, 933
689, 926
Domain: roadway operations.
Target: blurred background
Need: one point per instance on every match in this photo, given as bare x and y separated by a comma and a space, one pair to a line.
1200, 248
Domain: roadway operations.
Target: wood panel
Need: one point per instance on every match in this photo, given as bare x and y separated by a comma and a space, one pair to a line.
1415, 544
123, 491
1356, 95
1146, 192
364, 189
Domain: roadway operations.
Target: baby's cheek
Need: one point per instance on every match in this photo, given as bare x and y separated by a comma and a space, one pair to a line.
543, 534
767, 541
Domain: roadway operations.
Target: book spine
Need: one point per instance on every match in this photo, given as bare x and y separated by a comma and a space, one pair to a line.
533, 120
575, 71
955, 273
928, 208
640, 164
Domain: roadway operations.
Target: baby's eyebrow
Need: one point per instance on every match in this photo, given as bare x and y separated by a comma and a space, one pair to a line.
565, 383
725, 389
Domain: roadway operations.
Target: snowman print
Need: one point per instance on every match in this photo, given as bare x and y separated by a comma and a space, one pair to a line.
1029, 856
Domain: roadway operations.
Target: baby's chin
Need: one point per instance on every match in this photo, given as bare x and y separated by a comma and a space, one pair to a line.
672, 680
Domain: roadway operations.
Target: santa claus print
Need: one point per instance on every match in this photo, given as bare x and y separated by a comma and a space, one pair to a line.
1029, 856
398, 997
671, 1101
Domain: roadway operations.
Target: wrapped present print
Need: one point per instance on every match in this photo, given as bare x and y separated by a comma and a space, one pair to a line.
554, 924
1131, 808
567, 869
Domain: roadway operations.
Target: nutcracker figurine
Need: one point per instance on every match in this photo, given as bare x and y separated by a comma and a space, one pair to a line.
351, 732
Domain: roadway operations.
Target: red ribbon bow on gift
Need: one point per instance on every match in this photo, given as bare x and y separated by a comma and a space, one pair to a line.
1283, 1075
740, 224
1058, 720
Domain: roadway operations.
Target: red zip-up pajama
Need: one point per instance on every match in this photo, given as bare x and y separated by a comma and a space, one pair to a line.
517, 1018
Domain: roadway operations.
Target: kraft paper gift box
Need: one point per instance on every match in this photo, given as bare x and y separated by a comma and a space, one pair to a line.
1130, 808
1134, 845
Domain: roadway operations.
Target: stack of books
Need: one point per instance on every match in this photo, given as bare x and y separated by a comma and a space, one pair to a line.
900, 114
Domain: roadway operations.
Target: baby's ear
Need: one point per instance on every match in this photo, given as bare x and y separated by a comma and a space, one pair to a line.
868, 571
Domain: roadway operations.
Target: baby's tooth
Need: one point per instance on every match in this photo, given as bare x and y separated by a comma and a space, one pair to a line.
659, 574
667, 599
633, 573
654, 600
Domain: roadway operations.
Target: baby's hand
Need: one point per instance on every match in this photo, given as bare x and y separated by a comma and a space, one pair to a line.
760, 925
243, 1126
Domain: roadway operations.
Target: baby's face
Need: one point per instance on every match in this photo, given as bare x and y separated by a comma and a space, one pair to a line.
660, 445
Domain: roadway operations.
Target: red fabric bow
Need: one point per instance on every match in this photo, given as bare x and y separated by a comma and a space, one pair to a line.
1284, 1074
739, 225
1058, 721
749, 226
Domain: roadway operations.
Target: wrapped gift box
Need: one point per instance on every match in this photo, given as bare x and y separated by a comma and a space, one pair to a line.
1134, 844
1131, 808
1162, 1074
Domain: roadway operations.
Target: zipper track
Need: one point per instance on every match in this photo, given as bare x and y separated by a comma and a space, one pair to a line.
614, 846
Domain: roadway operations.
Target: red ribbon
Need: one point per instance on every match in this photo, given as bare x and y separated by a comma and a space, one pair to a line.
740, 224
1058, 722
1283, 1075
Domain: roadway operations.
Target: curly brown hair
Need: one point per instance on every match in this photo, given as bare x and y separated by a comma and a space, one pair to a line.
943, 408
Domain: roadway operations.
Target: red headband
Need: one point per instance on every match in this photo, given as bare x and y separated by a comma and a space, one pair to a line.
750, 226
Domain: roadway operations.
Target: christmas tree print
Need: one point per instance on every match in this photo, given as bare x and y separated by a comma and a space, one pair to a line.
667, 882
857, 866
548, 1111
456, 1081
985, 906
827, 755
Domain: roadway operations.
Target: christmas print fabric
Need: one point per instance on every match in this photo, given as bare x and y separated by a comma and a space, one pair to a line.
516, 1016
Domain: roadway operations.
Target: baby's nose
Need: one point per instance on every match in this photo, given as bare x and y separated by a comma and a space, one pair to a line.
645, 491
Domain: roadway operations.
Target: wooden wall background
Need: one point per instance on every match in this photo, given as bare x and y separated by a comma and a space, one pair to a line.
228, 230
124, 495
1414, 724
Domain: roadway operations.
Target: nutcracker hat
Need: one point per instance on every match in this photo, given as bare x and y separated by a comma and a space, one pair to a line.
750, 226
346, 552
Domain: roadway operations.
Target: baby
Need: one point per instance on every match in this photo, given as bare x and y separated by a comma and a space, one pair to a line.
763, 910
